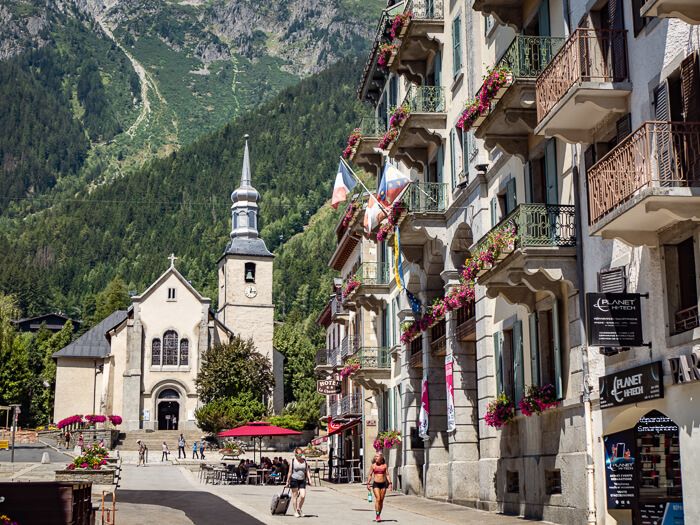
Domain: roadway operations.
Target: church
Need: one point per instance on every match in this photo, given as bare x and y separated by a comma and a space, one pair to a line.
141, 363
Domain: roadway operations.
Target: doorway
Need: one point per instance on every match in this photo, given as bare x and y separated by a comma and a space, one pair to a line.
168, 410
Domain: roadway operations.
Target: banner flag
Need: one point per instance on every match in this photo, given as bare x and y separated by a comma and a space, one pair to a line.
344, 184
449, 383
424, 416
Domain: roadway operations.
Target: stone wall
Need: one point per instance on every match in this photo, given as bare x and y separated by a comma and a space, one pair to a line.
103, 476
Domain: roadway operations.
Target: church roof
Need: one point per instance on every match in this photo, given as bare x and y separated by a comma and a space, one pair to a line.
93, 343
163, 277
249, 247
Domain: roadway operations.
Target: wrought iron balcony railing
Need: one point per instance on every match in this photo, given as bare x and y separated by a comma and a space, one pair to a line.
658, 154
426, 197
372, 273
687, 319
425, 99
322, 357
425, 9
348, 346
527, 56
374, 357
351, 404
335, 408
589, 55
372, 126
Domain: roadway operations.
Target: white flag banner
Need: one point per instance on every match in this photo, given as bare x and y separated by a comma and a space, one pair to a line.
449, 383
424, 414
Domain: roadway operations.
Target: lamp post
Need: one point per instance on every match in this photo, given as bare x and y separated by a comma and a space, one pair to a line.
48, 404
15, 412
98, 370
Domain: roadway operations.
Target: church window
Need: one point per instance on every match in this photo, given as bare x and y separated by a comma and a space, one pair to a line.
155, 352
250, 272
171, 294
184, 351
170, 341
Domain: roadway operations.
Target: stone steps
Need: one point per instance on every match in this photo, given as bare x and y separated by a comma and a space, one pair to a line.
154, 439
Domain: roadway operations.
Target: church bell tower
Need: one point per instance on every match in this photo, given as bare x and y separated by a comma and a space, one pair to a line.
245, 277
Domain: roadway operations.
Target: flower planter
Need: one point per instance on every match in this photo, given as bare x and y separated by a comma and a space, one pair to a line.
103, 476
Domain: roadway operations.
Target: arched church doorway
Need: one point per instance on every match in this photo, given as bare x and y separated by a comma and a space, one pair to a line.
168, 409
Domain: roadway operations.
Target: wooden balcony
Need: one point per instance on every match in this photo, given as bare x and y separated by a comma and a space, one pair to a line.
513, 113
419, 39
512, 13
466, 323
438, 339
541, 258
367, 155
420, 133
584, 87
415, 353
648, 182
686, 10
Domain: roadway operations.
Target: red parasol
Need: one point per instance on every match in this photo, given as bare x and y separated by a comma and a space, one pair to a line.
258, 429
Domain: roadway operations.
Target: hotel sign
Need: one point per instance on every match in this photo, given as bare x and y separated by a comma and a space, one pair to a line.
614, 319
632, 386
328, 387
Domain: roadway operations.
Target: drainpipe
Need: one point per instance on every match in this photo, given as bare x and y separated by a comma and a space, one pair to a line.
586, 387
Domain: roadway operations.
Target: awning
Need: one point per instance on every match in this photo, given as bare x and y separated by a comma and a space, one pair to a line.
337, 429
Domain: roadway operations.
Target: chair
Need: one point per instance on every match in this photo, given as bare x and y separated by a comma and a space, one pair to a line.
316, 475
356, 472
253, 476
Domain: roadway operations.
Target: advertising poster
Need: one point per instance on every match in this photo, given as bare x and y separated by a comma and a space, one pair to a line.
620, 452
423, 417
449, 383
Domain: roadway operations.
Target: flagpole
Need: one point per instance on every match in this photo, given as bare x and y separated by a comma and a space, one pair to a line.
363, 185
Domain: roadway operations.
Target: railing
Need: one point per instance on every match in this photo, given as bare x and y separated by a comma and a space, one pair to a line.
323, 410
335, 408
687, 319
372, 126
334, 357
438, 339
425, 9
466, 320
348, 346
527, 56
426, 197
589, 55
322, 357
662, 154
374, 357
337, 307
372, 273
425, 99
351, 404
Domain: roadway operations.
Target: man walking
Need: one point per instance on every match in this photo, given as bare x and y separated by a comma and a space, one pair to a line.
181, 448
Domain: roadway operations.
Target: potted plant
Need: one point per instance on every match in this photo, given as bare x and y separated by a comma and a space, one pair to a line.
232, 447
500, 411
388, 439
537, 399
312, 451
91, 465
352, 365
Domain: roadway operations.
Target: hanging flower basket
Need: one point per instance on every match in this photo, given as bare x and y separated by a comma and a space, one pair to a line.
500, 411
538, 399
388, 439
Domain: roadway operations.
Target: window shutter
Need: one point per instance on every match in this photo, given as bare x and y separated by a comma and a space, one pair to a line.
393, 92
690, 87
661, 109
498, 356
511, 196
550, 171
638, 21
457, 46
543, 18
589, 157
662, 140
518, 361
528, 181
453, 157
624, 127
534, 348
493, 206
437, 69
440, 163
556, 349
612, 280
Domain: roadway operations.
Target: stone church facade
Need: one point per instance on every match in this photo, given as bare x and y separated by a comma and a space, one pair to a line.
142, 363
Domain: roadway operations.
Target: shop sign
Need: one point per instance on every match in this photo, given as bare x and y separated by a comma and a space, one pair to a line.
632, 386
328, 387
614, 319
685, 368
619, 469
664, 513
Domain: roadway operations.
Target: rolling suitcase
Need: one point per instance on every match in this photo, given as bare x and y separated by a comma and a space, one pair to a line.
280, 503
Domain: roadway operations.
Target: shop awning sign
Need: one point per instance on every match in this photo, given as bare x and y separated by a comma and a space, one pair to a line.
614, 319
328, 387
632, 386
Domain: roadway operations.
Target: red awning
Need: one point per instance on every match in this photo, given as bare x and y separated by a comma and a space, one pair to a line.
337, 429
258, 429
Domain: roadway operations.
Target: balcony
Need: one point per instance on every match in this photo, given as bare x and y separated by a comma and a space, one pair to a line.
686, 10
584, 87
367, 155
425, 204
339, 314
438, 339
375, 366
374, 285
334, 408
513, 113
350, 406
466, 323
512, 13
348, 347
648, 182
415, 353
541, 257
323, 359
419, 39
419, 134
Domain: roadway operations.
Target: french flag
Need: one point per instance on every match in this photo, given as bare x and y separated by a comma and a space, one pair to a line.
344, 183
392, 184
374, 214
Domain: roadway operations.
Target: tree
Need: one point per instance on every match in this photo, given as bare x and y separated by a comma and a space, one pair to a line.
114, 297
231, 369
231, 412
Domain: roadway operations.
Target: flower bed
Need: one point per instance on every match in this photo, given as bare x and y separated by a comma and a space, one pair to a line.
495, 80
351, 366
353, 141
500, 411
538, 399
388, 439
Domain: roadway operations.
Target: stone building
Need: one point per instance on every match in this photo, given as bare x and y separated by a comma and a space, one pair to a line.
142, 363
555, 145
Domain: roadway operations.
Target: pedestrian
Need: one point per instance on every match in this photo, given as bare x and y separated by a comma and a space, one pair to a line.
81, 442
181, 447
202, 446
66, 436
297, 479
164, 456
194, 451
379, 483
142, 453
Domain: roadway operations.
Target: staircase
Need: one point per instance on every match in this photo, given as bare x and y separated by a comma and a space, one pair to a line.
154, 439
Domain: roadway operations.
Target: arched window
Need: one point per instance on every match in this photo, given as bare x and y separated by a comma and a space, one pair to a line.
184, 351
155, 352
169, 393
249, 272
170, 340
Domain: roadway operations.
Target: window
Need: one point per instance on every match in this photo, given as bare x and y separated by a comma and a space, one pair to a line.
155, 352
681, 281
250, 272
553, 481
545, 349
508, 355
639, 21
170, 341
184, 352
489, 22
171, 294
453, 157
456, 46
512, 481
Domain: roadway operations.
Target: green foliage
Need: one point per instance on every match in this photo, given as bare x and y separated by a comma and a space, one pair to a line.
114, 297
229, 412
290, 421
230, 369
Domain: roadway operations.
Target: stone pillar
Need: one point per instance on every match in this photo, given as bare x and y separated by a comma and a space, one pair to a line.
131, 397
411, 459
436, 446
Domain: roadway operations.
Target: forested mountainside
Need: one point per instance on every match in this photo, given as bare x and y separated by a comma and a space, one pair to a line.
60, 256
128, 80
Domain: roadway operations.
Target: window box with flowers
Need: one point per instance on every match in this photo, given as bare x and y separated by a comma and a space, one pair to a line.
388, 439
500, 412
353, 142
538, 399
496, 82
399, 23
390, 223
386, 52
352, 365
350, 286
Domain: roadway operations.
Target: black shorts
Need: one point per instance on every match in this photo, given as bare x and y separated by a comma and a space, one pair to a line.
297, 483
380, 484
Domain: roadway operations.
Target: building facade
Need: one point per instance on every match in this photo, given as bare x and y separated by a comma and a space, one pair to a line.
553, 148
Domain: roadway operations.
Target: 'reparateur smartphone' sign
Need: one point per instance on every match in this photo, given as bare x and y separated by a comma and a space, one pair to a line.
614, 319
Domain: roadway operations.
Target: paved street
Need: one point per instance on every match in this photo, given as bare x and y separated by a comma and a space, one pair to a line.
32, 454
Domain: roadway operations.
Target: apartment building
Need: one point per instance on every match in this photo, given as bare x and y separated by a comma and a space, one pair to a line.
554, 152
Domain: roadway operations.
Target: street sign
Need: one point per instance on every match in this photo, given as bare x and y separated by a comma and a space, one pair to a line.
632, 386
328, 387
614, 319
